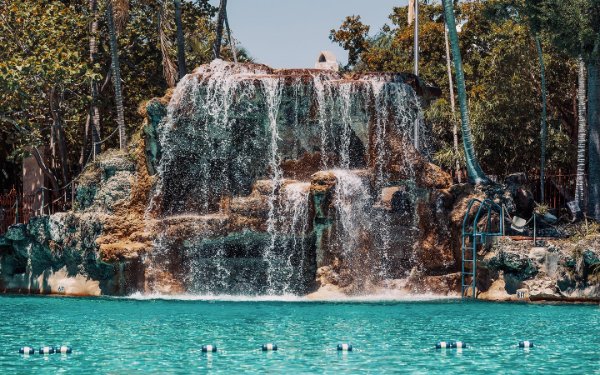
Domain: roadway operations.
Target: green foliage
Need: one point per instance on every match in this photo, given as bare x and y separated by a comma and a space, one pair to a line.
352, 36
44, 45
502, 80
35, 57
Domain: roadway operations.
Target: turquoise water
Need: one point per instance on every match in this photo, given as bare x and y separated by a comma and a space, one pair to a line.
128, 336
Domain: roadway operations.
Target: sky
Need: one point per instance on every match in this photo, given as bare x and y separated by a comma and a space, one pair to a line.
291, 33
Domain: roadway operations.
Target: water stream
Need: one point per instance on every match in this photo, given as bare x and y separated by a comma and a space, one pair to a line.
228, 133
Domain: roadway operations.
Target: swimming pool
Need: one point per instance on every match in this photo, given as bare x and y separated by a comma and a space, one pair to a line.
140, 336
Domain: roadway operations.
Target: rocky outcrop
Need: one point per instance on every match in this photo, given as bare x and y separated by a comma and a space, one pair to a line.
92, 250
560, 270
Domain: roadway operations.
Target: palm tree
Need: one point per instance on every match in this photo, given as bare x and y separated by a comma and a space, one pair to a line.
169, 69
452, 104
113, 23
593, 89
180, 40
219, 32
581, 134
544, 130
476, 174
94, 119
230, 39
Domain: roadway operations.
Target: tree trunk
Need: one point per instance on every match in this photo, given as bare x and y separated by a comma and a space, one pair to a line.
94, 124
231, 43
116, 77
39, 158
452, 105
594, 139
581, 134
476, 174
55, 99
180, 40
544, 129
219, 33
170, 71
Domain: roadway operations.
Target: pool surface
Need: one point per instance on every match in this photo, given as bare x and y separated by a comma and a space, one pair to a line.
132, 336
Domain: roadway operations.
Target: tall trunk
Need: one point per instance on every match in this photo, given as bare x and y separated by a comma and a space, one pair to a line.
55, 99
180, 40
544, 129
116, 77
452, 105
416, 69
476, 174
219, 33
39, 158
593, 90
231, 43
94, 124
84, 142
581, 136
169, 69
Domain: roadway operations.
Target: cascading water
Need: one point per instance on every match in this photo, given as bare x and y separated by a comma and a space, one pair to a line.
353, 205
345, 106
272, 92
236, 208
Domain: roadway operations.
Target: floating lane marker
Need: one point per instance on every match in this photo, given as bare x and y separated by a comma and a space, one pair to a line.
269, 347
209, 348
450, 345
459, 345
27, 350
344, 347
442, 345
63, 349
526, 344
46, 350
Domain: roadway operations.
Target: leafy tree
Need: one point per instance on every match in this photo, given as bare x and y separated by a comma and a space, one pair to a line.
55, 71
40, 82
574, 27
502, 80
352, 36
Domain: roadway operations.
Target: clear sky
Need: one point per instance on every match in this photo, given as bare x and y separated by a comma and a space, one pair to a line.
290, 33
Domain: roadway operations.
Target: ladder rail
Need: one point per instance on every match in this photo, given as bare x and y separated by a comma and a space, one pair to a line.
486, 207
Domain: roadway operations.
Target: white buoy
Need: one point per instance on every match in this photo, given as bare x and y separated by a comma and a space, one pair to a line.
442, 345
46, 350
526, 344
27, 350
209, 348
459, 345
450, 345
63, 349
269, 347
344, 347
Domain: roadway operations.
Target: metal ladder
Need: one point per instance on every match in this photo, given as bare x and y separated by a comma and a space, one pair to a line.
472, 237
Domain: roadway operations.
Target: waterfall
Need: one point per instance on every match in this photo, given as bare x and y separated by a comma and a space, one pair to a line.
352, 203
345, 105
321, 93
295, 226
233, 206
272, 93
